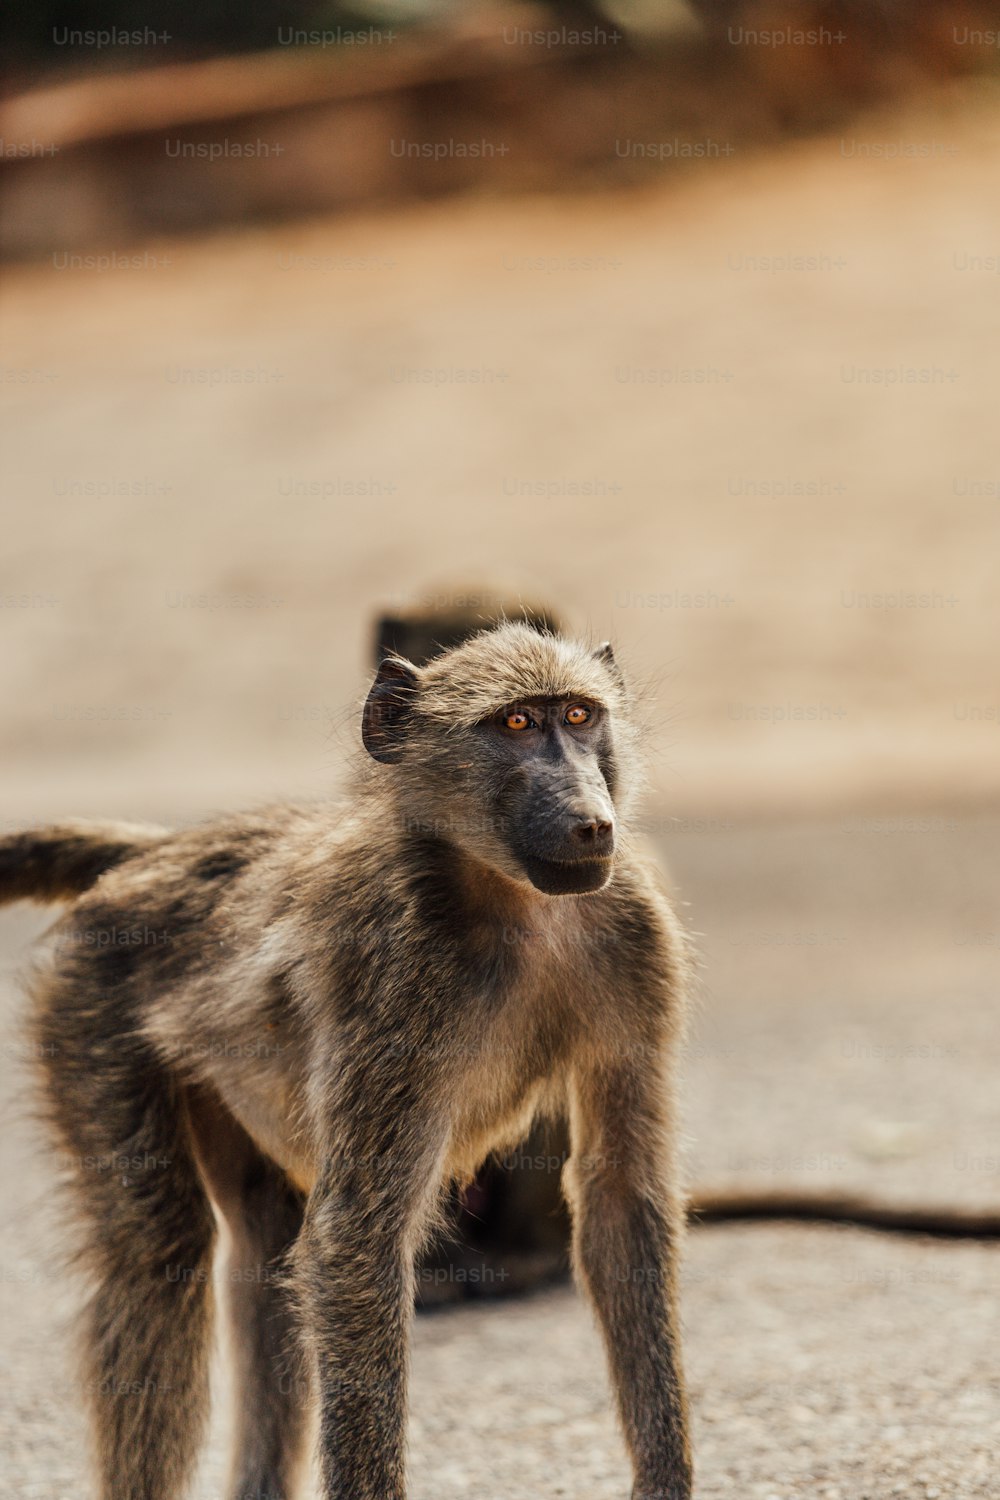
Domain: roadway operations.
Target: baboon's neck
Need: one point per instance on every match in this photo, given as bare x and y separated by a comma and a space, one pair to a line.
487, 905
490, 893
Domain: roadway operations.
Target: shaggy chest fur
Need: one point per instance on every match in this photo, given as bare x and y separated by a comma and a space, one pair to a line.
517, 1050
497, 1060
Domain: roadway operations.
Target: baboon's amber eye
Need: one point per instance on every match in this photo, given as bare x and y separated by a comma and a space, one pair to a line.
517, 719
577, 714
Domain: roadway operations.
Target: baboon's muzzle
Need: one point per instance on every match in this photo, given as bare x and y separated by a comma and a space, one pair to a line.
564, 833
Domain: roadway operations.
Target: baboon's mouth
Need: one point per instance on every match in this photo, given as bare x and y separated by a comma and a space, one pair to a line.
566, 877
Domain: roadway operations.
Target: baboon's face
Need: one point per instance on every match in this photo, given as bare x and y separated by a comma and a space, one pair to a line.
527, 788
544, 761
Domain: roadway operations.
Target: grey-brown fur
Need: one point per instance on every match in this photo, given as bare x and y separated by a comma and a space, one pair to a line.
333, 1014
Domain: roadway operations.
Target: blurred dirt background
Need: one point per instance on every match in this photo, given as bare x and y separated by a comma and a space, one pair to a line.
741, 419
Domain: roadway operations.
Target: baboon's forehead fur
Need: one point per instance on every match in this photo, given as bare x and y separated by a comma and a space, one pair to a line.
507, 665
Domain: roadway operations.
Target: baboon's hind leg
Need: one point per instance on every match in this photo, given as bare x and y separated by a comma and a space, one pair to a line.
146, 1240
263, 1212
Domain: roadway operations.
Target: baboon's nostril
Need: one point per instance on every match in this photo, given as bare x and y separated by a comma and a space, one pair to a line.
593, 831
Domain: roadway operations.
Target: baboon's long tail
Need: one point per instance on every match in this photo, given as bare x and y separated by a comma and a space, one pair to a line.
61, 861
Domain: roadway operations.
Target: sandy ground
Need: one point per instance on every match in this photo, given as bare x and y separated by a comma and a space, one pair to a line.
187, 573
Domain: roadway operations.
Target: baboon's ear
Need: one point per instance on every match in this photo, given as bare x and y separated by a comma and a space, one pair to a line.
387, 709
606, 656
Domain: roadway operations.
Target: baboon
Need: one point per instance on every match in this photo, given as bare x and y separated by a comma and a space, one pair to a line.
322, 1022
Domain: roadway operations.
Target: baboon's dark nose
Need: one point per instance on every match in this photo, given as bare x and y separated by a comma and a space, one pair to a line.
596, 834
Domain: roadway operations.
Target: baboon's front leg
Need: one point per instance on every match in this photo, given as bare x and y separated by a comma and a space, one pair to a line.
355, 1271
626, 1232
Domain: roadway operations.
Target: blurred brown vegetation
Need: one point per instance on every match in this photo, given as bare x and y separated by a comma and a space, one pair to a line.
107, 159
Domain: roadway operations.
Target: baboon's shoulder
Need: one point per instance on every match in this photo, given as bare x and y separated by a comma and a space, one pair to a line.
647, 938
639, 895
